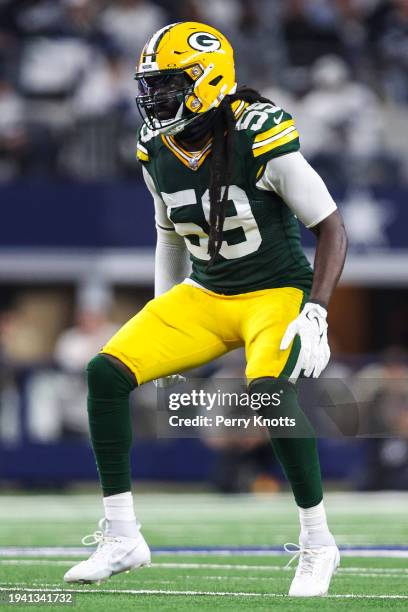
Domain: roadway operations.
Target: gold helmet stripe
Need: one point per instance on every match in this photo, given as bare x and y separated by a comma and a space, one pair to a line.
152, 46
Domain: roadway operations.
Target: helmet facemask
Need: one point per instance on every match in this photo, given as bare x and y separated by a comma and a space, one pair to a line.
161, 100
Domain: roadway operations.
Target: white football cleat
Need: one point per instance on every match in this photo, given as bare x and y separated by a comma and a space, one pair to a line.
114, 554
315, 569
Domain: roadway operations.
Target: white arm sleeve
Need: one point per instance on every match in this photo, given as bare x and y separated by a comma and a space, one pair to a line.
299, 185
172, 263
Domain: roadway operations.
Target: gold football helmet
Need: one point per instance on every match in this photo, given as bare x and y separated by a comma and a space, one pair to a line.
186, 69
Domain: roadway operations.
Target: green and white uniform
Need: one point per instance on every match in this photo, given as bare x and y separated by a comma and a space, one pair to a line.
261, 239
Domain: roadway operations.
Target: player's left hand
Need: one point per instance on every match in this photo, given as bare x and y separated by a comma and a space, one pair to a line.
168, 381
311, 327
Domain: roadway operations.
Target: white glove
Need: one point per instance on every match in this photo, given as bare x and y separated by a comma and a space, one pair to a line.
311, 327
168, 381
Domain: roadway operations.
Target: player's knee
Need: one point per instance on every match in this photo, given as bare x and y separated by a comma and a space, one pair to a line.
272, 394
107, 380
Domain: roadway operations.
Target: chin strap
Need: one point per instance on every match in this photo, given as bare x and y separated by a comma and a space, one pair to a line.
199, 128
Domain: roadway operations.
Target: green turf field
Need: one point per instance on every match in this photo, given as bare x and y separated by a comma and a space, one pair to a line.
195, 577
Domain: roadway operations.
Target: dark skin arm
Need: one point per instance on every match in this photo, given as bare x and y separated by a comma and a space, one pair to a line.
329, 258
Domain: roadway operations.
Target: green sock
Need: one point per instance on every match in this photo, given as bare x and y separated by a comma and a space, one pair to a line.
110, 423
298, 456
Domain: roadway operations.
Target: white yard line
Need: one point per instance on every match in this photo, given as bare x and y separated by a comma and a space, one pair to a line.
227, 566
35, 562
339, 573
50, 589
350, 552
80, 552
363, 572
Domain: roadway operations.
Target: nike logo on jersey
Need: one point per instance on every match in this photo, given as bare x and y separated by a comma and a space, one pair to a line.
278, 120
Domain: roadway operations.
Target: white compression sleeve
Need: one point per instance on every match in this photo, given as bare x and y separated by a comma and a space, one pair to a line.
172, 263
299, 185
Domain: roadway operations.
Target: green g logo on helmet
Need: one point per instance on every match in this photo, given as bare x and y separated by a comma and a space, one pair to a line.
204, 41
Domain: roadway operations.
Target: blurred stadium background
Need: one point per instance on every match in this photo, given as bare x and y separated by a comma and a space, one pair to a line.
77, 234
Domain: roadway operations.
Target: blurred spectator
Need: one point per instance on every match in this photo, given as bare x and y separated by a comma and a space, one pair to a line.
81, 19
14, 141
388, 38
58, 399
339, 115
382, 391
52, 67
130, 23
50, 70
189, 10
93, 327
255, 35
30, 325
311, 29
98, 146
9, 399
108, 88
222, 15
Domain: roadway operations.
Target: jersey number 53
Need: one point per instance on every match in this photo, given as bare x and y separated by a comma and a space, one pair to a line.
249, 238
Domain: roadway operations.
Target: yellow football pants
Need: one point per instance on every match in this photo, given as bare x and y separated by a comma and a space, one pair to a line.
189, 326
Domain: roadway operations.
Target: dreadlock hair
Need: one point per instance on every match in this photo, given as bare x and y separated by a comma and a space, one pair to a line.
222, 164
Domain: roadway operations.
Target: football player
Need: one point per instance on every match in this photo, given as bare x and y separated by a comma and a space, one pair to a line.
228, 184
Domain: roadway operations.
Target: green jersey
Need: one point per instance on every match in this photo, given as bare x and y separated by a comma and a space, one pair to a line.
261, 239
